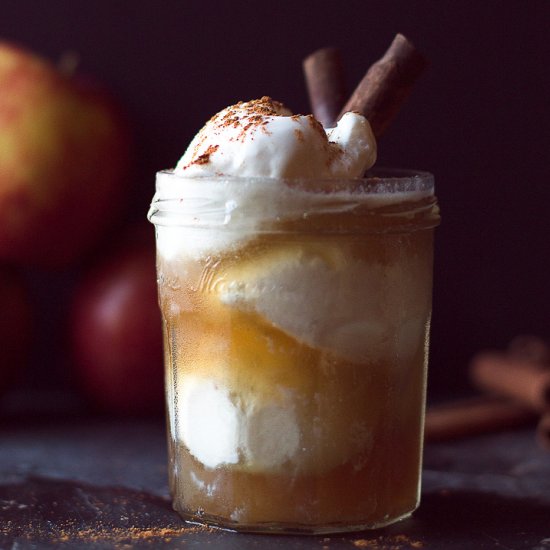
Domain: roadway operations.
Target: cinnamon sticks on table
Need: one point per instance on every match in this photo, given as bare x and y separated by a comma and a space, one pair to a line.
522, 380
515, 387
473, 416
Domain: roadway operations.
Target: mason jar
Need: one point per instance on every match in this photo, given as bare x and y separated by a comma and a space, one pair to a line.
296, 317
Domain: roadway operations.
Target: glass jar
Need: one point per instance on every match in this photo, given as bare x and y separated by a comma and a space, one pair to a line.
296, 320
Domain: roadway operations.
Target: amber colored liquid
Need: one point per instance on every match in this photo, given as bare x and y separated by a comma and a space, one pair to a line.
365, 472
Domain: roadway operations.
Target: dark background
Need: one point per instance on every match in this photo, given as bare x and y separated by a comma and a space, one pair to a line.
478, 119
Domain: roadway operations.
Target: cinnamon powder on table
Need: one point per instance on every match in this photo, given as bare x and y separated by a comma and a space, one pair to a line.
120, 535
71, 532
394, 542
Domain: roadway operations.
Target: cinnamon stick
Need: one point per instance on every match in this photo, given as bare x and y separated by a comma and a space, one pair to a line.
543, 431
324, 74
523, 380
387, 84
474, 416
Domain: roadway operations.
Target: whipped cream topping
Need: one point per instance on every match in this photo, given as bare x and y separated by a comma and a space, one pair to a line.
262, 138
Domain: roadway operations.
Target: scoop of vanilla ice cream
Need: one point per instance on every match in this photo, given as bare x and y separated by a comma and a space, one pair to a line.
318, 295
270, 428
261, 434
261, 138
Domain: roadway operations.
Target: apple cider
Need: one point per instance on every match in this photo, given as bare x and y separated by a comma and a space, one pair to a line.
296, 353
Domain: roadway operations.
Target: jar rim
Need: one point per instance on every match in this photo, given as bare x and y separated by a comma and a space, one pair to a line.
394, 179
215, 201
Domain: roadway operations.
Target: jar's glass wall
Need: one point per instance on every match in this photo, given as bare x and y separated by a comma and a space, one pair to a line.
295, 369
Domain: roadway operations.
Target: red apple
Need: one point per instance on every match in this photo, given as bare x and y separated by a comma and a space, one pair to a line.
15, 326
64, 160
116, 330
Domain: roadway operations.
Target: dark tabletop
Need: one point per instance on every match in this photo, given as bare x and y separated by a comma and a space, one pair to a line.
93, 483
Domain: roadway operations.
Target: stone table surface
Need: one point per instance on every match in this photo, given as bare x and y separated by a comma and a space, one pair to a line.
98, 484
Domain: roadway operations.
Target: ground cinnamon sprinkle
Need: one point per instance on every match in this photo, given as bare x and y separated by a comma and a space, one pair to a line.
121, 534
299, 135
333, 151
396, 542
316, 126
72, 532
205, 157
247, 114
249, 117
124, 537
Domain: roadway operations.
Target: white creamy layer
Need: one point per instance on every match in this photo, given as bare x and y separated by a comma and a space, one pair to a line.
211, 215
261, 138
318, 295
220, 427
255, 431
